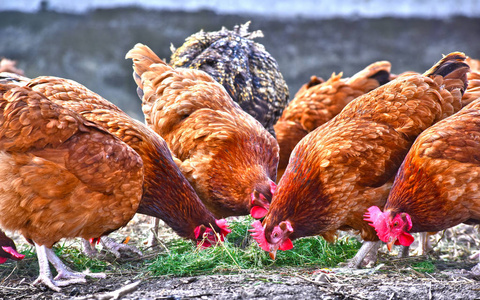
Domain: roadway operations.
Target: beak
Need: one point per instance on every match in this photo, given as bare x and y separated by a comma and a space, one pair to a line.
273, 254
390, 243
273, 251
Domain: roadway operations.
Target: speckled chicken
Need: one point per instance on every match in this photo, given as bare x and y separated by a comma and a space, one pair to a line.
248, 72
227, 155
61, 176
348, 164
317, 102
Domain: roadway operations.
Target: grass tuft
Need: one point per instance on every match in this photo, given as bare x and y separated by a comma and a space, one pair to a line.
240, 252
182, 258
425, 266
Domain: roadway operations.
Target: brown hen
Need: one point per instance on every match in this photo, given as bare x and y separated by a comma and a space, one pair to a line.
437, 185
166, 192
347, 165
61, 176
317, 102
227, 155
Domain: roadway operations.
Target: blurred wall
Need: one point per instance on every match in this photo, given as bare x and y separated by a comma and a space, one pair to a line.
90, 48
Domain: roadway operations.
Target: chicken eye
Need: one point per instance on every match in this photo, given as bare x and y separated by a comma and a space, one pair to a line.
395, 224
275, 234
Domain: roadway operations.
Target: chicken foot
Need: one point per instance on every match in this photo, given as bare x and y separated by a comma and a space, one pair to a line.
111, 245
367, 255
46, 255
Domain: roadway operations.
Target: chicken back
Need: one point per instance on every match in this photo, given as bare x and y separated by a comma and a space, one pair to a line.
61, 177
227, 155
317, 102
437, 184
347, 165
166, 192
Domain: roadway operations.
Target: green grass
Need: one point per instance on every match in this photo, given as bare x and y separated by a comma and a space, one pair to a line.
183, 259
425, 266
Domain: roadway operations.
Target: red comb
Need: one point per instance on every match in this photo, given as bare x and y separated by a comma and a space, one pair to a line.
222, 223
377, 220
372, 215
258, 233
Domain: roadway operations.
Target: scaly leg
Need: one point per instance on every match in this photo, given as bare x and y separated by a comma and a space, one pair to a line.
89, 249
111, 245
153, 238
65, 272
46, 255
366, 256
116, 248
45, 275
403, 253
425, 244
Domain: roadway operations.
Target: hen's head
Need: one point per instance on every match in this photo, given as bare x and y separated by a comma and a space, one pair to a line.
261, 201
8, 249
278, 239
390, 228
207, 236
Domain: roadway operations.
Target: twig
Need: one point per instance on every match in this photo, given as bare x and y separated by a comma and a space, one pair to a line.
117, 294
13, 270
14, 288
312, 281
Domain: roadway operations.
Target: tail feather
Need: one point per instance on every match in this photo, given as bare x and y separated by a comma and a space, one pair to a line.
143, 57
453, 69
378, 71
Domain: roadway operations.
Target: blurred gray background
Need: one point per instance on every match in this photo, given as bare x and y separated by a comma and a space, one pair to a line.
87, 40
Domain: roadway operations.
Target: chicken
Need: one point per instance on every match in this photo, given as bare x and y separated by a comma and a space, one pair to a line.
166, 192
8, 250
248, 72
227, 155
61, 177
473, 89
436, 186
317, 102
347, 165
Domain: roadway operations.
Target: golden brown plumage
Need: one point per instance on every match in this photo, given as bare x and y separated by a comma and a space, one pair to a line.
317, 102
437, 185
246, 70
347, 165
61, 176
228, 157
473, 90
166, 193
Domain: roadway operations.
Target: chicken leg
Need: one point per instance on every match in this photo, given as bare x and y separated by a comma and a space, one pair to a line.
111, 245
366, 255
46, 255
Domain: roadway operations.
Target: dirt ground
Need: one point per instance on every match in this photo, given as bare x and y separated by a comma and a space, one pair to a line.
391, 278
450, 283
